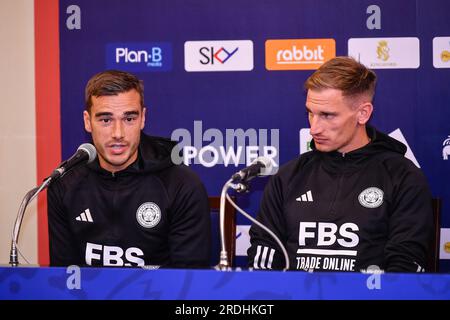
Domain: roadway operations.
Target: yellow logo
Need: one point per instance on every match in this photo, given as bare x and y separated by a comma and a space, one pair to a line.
445, 56
447, 247
383, 50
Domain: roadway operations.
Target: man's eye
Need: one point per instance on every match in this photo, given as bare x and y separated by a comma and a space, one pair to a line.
130, 119
105, 120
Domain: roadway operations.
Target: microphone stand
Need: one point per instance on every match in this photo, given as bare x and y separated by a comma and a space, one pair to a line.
242, 186
13, 257
224, 264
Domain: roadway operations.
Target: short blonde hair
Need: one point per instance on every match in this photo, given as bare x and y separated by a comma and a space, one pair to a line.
345, 74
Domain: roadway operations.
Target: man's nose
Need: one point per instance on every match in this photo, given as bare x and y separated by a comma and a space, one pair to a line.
315, 125
118, 130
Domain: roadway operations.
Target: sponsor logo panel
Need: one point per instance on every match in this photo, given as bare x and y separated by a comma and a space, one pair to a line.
139, 57
445, 244
242, 239
298, 54
441, 52
386, 53
226, 55
446, 148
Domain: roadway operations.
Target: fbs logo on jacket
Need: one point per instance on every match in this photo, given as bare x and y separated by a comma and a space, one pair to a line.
99, 254
148, 214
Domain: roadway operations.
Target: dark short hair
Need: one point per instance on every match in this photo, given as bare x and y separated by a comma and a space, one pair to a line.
345, 74
110, 83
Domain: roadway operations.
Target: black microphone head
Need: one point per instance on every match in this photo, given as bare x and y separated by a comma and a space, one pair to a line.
90, 150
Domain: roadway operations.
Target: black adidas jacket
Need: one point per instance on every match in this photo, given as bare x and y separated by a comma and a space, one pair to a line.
346, 212
153, 213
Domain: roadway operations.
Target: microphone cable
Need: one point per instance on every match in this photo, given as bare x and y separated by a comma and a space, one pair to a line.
259, 224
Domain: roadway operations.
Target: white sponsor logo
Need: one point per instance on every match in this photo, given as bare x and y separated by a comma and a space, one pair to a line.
300, 55
398, 135
444, 247
229, 55
325, 233
371, 197
386, 53
306, 138
85, 216
441, 52
113, 256
309, 263
148, 214
306, 197
446, 148
132, 56
242, 239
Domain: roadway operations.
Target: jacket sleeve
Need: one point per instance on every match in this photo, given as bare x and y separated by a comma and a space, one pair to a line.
410, 224
264, 251
63, 249
190, 226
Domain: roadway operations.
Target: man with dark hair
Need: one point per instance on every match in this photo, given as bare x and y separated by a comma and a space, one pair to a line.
132, 206
354, 202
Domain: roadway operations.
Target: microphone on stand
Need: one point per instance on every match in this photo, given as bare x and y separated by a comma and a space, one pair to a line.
261, 166
86, 153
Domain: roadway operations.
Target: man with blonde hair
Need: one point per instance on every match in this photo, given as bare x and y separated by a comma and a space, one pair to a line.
354, 202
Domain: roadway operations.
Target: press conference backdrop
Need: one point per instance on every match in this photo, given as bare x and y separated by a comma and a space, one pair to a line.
225, 77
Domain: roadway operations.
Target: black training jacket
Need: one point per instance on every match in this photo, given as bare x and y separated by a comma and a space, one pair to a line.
153, 213
367, 209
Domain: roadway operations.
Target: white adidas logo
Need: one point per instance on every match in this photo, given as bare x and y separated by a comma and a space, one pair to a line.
85, 216
307, 197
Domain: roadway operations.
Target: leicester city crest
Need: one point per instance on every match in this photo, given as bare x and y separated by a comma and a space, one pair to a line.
148, 214
371, 197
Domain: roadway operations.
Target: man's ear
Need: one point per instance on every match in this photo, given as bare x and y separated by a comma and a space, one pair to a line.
87, 121
364, 112
144, 111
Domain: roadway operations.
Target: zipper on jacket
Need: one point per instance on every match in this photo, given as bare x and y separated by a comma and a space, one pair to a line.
336, 193
114, 217
341, 176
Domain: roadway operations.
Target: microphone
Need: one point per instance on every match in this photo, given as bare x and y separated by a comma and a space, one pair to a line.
239, 181
85, 153
261, 166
